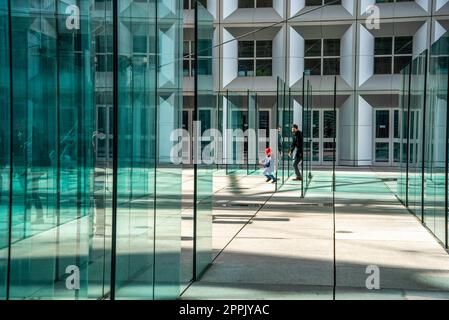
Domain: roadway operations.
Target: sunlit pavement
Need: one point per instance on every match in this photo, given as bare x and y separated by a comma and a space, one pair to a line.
287, 250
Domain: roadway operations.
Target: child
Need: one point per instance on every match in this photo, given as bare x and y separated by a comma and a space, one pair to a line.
268, 166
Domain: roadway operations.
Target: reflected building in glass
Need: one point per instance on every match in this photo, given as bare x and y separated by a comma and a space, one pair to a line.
89, 199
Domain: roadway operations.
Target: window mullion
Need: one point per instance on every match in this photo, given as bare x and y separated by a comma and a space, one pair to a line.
322, 55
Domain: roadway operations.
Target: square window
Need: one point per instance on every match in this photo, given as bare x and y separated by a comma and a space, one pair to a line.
246, 68
382, 152
186, 68
313, 66
331, 66
246, 3
264, 49
313, 2
403, 45
264, 68
246, 49
331, 47
264, 3
140, 44
312, 48
382, 65
186, 48
400, 63
383, 45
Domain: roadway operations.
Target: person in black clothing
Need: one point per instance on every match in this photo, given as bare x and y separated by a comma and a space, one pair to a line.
297, 145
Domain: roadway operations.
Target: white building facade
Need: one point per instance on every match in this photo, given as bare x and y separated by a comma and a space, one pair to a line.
322, 39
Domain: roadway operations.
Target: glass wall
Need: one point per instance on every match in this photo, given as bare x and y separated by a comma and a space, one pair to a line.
435, 152
402, 184
5, 158
205, 116
96, 188
53, 161
253, 134
423, 169
295, 108
307, 126
284, 122
236, 123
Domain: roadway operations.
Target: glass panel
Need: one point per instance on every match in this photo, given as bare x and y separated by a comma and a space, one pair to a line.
382, 152
136, 159
404, 96
396, 124
264, 68
168, 178
312, 48
403, 45
436, 144
396, 152
331, 47
383, 124
383, 45
329, 122
382, 65
417, 97
316, 124
328, 151
5, 137
205, 101
315, 151
307, 132
252, 137
63, 149
246, 49
53, 212
313, 66
246, 68
264, 49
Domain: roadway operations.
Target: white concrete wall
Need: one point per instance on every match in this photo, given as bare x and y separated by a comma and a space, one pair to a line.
296, 57
346, 125
365, 133
440, 3
296, 6
349, 5
297, 114
230, 63
166, 121
279, 54
167, 45
347, 61
420, 40
366, 55
229, 6
279, 6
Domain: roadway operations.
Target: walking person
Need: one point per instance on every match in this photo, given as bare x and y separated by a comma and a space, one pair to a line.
297, 149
